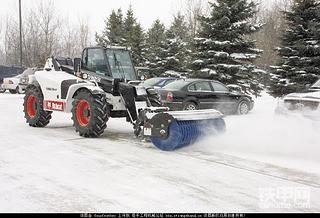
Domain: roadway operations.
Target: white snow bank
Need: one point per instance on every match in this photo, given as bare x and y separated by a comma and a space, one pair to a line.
288, 141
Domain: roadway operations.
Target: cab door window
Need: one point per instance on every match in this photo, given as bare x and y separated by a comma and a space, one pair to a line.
96, 61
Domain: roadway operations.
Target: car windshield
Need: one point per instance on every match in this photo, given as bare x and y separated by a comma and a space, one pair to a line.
151, 82
177, 85
316, 85
121, 64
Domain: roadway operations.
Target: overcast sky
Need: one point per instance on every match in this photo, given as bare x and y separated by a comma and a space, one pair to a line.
97, 10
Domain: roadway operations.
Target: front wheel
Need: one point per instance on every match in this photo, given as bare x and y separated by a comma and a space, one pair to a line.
89, 114
34, 113
190, 106
2, 90
243, 108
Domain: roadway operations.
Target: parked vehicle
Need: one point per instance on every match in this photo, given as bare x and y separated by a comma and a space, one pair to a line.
306, 102
158, 82
6, 71
195, 94
18, 83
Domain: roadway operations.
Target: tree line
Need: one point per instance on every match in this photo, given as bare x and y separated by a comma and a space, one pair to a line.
44, 33
233, 41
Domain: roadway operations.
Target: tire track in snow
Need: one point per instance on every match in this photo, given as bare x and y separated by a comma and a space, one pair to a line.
265, 169
291, 175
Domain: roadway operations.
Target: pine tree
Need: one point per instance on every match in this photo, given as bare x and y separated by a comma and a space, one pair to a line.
126, 32
133, 36
223, 50
176, 47
113, 32
155, 51
129, 24
300, 51
138, 45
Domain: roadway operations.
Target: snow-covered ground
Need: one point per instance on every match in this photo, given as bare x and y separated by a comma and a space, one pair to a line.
263, 163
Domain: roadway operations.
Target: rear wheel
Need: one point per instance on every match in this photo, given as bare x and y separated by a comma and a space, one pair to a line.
89, 114
35, 115
190, 106
13, 91
2, 90
243, 108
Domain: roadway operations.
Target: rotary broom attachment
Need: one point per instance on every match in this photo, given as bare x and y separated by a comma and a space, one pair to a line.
173, 130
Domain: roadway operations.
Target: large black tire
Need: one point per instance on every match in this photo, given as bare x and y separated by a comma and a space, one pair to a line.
190, 106
2, 90
34, 113
90, 114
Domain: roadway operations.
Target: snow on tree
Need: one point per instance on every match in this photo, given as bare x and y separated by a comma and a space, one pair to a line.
125, 32
175, 47
155, 51
300, 51
133, 37
113, 32
223, 50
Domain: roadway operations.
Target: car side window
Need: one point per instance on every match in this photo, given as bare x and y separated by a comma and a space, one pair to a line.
200, 87
96, 61
217, 87
203, 87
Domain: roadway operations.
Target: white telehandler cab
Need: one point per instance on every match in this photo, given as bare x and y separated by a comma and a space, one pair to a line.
97, 87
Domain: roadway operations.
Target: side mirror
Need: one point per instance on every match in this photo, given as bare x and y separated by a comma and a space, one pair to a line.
116, 87
77, 65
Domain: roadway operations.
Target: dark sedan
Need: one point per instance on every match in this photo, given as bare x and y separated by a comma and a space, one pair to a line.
195, 94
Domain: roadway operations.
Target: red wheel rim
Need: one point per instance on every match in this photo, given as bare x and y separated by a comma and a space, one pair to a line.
31, 106
83, 113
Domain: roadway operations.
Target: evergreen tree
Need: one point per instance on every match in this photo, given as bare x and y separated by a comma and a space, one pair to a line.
138, 45
300, 51
175, 46
223, 50
126, 32
113, 32
133, 37
155, 51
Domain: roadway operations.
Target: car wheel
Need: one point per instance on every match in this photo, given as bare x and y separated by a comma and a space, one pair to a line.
13, 91
243, 108
2, 90
190, 106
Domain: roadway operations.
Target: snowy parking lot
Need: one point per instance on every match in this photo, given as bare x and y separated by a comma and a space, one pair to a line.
263, 163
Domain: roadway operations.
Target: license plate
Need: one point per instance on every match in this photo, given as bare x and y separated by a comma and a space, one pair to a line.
147, 131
